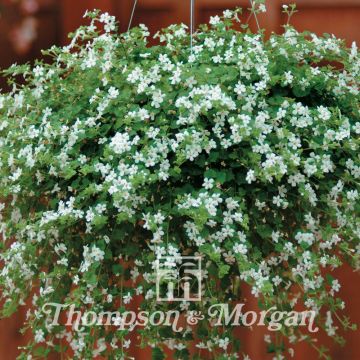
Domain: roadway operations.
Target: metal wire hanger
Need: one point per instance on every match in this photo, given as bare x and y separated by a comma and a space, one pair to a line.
192, 19
132, 14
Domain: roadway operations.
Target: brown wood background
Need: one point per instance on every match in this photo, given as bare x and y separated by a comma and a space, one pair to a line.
58, 17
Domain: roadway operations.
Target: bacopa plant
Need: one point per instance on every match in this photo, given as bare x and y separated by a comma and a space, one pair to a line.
240, 149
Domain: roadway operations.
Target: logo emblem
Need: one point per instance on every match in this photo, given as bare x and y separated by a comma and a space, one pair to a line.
178, 278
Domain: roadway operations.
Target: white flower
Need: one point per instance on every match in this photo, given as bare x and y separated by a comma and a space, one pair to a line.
228, 14
97, 254
38, 71
159, 218
288, 78
150, 294
46, 113
109, 22
324, 113
240, 249
208, 183
307, 238
242, 236
275, 236
16, 175
91, 256
139, 290
214, 20
277, 280
357, 128
240, 88
262, 8
63, 261
250, 176
157, 99
127, 298
335, 286
120, 143
113, 93
352, 195
144, 30
217, 59
135, 75
223, 343
39, 336
229, 258
143, 114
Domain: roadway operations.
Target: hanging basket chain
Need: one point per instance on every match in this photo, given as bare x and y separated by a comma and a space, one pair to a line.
253, 11
192, 18
192, 4
132, 14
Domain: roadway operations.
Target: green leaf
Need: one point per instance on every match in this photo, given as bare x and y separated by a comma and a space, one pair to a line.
117, 269
264, 231
157, 354
223, 270
41, 351
91, 278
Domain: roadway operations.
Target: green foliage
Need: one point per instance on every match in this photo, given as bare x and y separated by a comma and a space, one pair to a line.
242, 150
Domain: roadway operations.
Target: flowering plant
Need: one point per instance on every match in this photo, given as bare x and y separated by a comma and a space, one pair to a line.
240, 150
